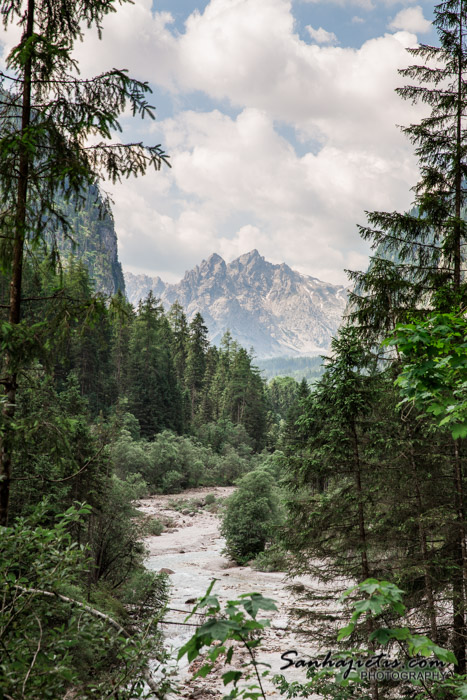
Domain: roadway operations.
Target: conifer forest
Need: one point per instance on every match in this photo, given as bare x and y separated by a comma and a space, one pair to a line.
351, 480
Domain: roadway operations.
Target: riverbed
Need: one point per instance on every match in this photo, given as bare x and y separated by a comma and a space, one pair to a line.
190, 548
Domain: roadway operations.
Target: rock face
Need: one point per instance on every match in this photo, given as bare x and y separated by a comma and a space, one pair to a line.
95, 241
271, 308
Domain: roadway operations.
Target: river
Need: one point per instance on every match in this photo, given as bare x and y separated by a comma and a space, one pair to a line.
191, 548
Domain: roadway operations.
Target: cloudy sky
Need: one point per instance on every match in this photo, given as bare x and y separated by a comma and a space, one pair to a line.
280, 119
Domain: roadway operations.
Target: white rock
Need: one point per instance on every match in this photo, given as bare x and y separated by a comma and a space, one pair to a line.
280, 624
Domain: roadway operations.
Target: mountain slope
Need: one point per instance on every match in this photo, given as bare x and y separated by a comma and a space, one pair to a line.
273, 308
94, 241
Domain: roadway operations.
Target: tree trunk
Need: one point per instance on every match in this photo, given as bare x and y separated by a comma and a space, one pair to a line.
363, 538
424, 550
458, 596
10, 381
458, 165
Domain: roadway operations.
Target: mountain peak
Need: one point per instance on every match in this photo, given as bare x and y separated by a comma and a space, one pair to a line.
252, 255
269, 306
213, 265
251, 259
214, 258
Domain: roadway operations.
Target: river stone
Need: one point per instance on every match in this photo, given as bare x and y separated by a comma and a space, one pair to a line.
280, 624
166, 571
298, 587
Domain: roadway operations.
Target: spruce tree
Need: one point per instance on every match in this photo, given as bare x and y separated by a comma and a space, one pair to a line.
180, 335
419, 258
196, 361
154, 393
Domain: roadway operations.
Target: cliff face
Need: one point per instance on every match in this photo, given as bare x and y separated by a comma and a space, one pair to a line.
94, 242
272, 308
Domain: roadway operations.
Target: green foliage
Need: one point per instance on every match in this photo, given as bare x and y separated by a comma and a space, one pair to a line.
236, 625
251, 516
115, 536
380, 599
154, 526
154, 394
45, 623
224, 434
434, 371
171, 463
282, 393
274, 558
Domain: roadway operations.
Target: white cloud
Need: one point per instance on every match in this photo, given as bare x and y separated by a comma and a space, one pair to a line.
237, 183
411, 20
367, 4
321, 36
301, 209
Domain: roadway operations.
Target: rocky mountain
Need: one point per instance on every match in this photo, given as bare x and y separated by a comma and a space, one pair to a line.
271, 308
94, 241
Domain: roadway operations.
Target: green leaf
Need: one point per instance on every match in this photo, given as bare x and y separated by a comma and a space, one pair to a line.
203, 671
231, 676
345, 632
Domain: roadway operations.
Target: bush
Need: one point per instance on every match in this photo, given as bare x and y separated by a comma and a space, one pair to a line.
171, 463
172, 482
154, 527
250, 516
274, 558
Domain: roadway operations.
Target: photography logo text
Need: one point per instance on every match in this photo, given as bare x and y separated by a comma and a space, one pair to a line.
377, 667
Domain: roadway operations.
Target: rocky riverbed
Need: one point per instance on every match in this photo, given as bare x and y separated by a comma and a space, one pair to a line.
191, 549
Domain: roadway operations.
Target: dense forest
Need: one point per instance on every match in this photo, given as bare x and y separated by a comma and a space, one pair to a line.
358, 479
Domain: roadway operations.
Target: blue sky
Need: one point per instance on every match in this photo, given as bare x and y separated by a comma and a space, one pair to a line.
279, 117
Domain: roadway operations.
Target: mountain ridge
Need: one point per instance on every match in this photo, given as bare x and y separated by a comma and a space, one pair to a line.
271, 307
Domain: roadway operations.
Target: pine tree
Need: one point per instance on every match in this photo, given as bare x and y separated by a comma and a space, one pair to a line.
46, 119
121, 316
419, 255
244, 399
207, 403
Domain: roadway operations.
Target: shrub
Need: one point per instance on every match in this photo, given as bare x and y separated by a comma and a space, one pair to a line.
53, 637
250, 516
154, 527
172, 482
274, 558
